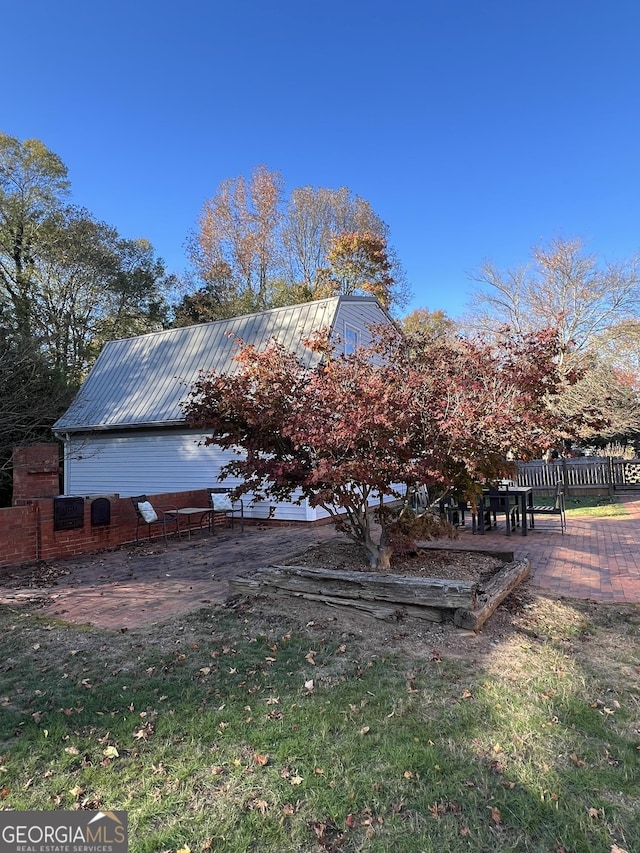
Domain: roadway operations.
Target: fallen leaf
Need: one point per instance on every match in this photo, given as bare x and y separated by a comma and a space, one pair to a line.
111, 752
496, 817
577, 761
595, 813
72, 750
436, 809
259, 805
467, 694
616, 849
310, 656
308, 685
365, 730
296, 780
143, 732
260, 759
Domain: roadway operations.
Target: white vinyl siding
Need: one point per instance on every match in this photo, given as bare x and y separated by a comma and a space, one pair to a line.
358, 316
155, 462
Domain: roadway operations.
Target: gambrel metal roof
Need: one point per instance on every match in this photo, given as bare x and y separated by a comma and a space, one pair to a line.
141, 381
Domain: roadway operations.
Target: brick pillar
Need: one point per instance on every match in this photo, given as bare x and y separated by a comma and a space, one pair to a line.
36, 472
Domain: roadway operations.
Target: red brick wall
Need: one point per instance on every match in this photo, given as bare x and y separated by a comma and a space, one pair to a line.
36, 472
27, 531
18, 535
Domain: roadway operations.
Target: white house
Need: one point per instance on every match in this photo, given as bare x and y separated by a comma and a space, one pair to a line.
125, 431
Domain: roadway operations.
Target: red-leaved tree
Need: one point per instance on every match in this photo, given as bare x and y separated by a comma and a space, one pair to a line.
359, 430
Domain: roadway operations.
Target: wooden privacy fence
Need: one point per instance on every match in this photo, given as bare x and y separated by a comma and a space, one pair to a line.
582, 475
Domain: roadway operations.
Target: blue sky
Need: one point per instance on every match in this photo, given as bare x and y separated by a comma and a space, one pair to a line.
476, 130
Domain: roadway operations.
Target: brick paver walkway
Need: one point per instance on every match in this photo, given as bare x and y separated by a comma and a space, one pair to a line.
134, 586
596, 558
141, 584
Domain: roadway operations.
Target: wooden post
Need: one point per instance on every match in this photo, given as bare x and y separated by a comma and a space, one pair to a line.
565, 476
610, 476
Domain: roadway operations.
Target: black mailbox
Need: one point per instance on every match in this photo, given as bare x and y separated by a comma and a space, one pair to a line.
68, 513
100, 512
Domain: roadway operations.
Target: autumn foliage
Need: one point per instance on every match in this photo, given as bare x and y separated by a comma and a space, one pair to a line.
353, 430
358, 263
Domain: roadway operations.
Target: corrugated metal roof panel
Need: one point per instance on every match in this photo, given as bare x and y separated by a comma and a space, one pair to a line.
142, 381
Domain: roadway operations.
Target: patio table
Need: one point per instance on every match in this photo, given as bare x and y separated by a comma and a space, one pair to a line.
523, 499
190, 512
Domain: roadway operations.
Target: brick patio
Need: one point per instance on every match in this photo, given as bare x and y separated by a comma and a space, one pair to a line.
597, 559
135, 586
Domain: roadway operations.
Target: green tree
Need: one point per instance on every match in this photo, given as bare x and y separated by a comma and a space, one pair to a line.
33, 182
32, 396
68, 283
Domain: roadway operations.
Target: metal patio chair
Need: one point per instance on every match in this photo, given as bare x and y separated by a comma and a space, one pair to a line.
556, 509
151, 516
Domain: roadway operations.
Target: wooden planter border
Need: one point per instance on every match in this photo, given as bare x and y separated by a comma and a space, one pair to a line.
389, 596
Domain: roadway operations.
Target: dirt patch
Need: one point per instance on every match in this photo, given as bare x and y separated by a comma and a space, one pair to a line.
36, 575
468, 566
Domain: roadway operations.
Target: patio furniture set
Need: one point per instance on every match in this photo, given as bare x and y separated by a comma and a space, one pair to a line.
515, 503
178, 520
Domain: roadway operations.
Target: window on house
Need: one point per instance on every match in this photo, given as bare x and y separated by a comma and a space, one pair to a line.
351, 339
